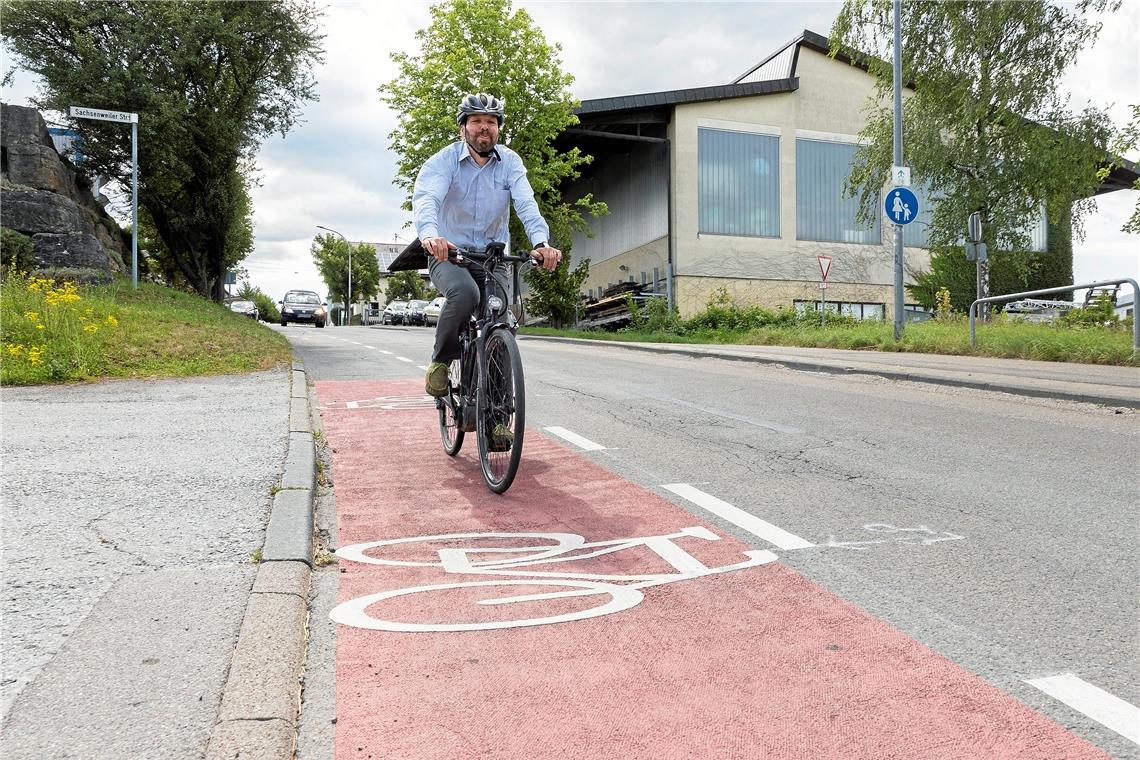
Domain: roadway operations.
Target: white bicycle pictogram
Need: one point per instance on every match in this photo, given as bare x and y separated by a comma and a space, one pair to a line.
620, 592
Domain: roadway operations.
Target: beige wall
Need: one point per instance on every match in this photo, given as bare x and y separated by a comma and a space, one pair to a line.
646, 258
829, 104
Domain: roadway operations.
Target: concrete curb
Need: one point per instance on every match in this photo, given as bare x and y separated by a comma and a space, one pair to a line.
1086, 393
261, 700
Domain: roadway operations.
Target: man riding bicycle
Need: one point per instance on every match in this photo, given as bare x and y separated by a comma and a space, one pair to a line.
462, 199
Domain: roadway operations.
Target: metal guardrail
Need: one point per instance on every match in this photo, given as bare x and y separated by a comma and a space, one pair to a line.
1065, 289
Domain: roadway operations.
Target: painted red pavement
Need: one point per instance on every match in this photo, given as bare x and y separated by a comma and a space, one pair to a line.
754, 663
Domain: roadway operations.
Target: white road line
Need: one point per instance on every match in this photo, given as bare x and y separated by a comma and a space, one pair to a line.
1107, 709
583, 443
409, 361
351, 405
353, 342
389, 353
738, 517
422, 367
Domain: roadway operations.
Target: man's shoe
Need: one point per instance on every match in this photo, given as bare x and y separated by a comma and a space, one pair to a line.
500, 438
436, 383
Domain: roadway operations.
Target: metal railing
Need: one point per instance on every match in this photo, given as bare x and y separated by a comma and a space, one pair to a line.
1065, 289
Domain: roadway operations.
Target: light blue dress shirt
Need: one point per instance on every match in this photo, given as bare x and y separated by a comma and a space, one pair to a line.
468, 204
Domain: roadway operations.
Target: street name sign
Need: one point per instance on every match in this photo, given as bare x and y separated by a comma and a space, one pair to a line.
79, 112
901, 205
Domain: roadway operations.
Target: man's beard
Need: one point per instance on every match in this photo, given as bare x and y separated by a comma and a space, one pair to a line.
481, 144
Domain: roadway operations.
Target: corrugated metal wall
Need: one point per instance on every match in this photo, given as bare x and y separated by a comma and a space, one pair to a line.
739, 183
635, 186
822, 210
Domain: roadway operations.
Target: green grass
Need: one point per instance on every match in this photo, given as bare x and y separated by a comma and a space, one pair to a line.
1002, 338
56, 332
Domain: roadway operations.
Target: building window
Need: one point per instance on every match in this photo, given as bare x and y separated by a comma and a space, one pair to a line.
823, 212
846, 308
738, 183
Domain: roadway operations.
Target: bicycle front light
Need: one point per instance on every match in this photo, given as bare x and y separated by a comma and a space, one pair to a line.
496, 304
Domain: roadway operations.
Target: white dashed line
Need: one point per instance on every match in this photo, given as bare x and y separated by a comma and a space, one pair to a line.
352, 405
422, 367
388, 353
1106, 709
583, 443
409, 361
738, 517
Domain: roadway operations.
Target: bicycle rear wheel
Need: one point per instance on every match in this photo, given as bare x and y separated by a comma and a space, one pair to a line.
501, 412
450, 431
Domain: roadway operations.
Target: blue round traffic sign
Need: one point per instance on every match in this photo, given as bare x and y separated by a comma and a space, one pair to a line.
901, 205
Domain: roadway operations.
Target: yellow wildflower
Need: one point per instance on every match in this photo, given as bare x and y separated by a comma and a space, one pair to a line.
91, 328
31, 316
111, 321
34, 354
39, 327
14, 349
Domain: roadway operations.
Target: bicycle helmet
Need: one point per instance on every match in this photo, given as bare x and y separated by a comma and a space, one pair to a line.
480, 103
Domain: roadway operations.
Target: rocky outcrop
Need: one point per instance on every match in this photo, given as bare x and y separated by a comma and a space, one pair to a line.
44, 198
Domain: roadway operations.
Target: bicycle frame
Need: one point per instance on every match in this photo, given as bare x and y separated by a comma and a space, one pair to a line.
478, 330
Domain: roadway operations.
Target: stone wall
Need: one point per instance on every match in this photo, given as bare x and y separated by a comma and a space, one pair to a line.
44, 198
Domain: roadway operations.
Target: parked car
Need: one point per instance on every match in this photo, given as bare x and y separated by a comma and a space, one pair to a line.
394, 313
303, 306
245, 308
414, 315
431, 311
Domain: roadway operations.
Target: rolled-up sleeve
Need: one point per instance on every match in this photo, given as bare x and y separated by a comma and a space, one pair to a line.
430, 189
525, 206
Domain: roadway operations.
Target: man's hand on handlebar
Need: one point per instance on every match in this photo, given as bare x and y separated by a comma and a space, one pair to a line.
547, 257
438, 247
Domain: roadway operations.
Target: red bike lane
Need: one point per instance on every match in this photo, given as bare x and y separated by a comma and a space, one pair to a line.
755, 662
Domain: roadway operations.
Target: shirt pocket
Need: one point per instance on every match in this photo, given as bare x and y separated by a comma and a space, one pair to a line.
499, 204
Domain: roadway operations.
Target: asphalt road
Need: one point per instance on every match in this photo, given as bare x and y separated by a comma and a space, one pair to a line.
1000, 531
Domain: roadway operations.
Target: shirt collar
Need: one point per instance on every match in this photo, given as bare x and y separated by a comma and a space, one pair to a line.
465, 153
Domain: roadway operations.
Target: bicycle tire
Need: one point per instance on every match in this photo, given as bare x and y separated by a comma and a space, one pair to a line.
501, 401
450, 431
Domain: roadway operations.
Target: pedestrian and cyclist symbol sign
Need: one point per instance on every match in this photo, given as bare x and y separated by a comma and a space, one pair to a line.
901, 205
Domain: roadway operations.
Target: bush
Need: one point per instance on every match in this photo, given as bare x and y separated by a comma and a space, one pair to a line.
16, 252
1098, 313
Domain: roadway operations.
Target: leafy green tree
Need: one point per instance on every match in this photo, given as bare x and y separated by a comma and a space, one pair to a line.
330, 254
986, 128
208, 80
406, 286
556, 295
486, 46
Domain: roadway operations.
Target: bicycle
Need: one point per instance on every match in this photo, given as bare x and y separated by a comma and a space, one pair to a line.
486, 394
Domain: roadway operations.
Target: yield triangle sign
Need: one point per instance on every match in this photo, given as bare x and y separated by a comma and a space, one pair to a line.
824, 265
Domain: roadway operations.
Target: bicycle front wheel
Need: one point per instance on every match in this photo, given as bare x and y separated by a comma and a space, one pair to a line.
450, 429
501, 412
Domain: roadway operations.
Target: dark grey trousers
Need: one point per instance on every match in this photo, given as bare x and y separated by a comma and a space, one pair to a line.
462, 287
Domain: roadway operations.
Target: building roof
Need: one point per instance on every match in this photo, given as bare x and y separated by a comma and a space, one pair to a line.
651, 100
386, 253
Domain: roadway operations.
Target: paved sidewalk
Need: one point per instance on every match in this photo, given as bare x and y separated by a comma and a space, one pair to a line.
1092, 383
135, 623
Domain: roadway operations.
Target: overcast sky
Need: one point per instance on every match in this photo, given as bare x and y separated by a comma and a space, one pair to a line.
335, 169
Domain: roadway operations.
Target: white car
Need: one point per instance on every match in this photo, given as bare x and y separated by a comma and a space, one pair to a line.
431, 311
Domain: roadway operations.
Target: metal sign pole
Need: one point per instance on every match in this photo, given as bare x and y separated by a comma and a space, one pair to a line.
898, 162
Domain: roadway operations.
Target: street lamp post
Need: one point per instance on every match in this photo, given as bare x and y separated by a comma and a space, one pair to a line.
348, 296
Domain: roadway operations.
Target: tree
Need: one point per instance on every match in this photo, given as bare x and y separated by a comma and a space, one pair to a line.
330, 254
406, 286
485, 46
556, 295
209, 81
986, 128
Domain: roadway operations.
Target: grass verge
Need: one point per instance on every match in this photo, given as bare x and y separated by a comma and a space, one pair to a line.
54, 332
1002, 338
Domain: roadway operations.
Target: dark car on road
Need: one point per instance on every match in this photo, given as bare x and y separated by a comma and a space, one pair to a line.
303, 306
415, 313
